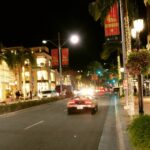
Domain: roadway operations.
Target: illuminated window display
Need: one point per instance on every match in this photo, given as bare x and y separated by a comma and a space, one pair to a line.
7, 80
42, 75
41, 61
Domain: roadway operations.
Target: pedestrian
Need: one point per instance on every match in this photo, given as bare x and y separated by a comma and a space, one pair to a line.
144, 90
135, 91
17, 95
30, 94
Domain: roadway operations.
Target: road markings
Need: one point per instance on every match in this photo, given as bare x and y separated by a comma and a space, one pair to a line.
74, 136
33, 125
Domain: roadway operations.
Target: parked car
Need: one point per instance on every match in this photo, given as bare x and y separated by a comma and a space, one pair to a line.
82, 103
67, 90
48, 93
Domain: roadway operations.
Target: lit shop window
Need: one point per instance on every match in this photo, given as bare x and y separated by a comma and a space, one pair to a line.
42, 75
27, 62
27, 76
41, 62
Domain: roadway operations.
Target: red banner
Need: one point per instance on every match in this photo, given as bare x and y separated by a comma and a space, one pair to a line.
112, 22
54, 54
65, 56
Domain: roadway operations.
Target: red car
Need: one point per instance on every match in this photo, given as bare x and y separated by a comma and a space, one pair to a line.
82, 103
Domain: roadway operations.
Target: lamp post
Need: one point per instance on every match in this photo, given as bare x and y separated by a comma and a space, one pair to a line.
135, 32
73, 39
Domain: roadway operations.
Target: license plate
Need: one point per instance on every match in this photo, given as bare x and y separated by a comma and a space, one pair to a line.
80, 107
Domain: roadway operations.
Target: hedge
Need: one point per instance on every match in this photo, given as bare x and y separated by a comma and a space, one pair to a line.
139, 132
5, 108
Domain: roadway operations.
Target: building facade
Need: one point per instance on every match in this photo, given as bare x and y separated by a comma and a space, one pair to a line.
33, 79
39, 77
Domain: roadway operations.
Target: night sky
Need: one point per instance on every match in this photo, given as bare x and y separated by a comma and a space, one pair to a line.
26, 23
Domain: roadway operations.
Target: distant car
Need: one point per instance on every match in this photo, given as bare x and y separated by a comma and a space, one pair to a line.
48, 94
101, 91
116, 90
82, 103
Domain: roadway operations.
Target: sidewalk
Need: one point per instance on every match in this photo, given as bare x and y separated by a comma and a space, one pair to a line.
126, 118
115, 136
146, 105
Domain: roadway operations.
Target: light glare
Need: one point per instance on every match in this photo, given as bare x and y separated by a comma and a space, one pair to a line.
133, 33
44, 41
138, 25
74, 39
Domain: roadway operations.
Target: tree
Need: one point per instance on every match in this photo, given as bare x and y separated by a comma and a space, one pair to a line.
147, 2
138, 62
94, 66
100, 8
15, 58
108, 49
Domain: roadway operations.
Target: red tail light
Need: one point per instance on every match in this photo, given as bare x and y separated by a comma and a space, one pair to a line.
71, 102
88, 102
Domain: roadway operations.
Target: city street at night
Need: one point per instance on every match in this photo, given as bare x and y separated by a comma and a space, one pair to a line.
49, 127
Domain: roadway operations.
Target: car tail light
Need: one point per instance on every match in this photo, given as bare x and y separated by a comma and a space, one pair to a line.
88, 102
71, 103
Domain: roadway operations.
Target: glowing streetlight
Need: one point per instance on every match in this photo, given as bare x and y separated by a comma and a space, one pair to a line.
73, 39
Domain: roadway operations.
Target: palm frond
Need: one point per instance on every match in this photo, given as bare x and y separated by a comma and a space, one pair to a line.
30, 56
9, 58
94, 11
109, 48
100, 8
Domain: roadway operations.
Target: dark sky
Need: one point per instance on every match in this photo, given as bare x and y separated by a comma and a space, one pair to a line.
25, 23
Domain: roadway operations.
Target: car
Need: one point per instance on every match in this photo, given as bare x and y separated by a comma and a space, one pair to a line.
81, 103
100, 91
48, 94
116, 90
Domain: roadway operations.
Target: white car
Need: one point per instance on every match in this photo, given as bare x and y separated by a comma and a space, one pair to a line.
81, 103
48, 94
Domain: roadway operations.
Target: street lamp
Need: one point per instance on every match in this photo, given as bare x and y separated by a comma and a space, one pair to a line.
73, 39
135, 32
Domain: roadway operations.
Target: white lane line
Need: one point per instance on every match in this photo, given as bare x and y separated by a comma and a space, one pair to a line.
33, 125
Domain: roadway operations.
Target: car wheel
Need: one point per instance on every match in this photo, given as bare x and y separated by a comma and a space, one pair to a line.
94, 110
69, 111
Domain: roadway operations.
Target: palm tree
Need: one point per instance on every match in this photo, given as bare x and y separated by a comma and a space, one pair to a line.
15, 58
100, 8
95, 70
147, 2
112, 48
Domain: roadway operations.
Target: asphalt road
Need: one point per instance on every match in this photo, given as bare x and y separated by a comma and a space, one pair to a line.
48, 127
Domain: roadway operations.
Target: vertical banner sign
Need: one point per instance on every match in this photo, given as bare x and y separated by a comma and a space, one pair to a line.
112, 22
65, 56
54, 54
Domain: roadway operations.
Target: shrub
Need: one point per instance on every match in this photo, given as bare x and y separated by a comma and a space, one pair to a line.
139, 132
138, 62
5, 108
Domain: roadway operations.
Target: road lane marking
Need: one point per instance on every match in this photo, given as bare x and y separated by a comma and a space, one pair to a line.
33, 125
